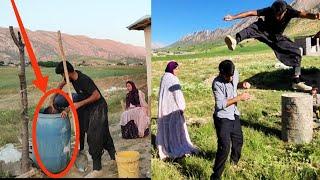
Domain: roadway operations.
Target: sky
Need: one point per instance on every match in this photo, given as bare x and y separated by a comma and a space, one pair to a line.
102, 19
173, 19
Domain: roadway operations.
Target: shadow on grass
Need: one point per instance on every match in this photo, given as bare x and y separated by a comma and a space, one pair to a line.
269, 131
187, 168
281, 79
192, 170
153, 141
209, 155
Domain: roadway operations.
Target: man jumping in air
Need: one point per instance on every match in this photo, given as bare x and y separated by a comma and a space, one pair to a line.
270, 31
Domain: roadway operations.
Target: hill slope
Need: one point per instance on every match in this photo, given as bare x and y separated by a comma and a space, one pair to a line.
46, 47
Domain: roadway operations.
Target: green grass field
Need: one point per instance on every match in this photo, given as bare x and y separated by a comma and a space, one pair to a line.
265, 155
9, 81
208, 50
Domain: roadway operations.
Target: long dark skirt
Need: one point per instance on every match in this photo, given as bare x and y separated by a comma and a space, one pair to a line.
130, 131
173, 140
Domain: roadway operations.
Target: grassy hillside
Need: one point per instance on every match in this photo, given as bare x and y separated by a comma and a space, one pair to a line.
218, 50
265, 155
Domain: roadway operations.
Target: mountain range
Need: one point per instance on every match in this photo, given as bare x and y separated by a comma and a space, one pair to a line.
45, 45
218, 34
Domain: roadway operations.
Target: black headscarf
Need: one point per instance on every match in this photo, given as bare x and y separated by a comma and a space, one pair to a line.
132, 96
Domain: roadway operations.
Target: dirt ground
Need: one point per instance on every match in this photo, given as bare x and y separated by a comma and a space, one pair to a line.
109, 167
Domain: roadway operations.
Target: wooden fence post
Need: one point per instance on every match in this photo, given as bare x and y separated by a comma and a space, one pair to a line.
24, 101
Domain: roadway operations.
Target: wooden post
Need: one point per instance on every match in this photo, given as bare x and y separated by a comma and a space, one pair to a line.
297, 123
24, 102
64, 60
147, 36
145, 24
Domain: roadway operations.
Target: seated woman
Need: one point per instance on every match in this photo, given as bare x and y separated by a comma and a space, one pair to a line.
134, 120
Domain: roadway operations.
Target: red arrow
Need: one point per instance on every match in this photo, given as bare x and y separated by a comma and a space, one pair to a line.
40, 81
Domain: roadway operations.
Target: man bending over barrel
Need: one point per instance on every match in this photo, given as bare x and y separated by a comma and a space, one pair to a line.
92, 111
270, 31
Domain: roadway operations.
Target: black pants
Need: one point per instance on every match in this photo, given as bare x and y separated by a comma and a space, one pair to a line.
285, 50
229, 133
98, 135
93, 120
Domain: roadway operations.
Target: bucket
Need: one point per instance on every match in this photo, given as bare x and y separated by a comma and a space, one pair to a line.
53, 141
128, 164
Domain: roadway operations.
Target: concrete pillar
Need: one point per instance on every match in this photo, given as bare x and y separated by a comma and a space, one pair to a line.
308, 46
297, 121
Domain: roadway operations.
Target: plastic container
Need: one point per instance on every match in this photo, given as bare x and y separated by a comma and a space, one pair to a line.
128, 164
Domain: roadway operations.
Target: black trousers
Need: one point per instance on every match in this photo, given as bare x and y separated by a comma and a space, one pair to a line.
98, 135
285, 50
229, 133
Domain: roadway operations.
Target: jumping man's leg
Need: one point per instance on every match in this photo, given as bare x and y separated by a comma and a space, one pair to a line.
252, 31
290, 54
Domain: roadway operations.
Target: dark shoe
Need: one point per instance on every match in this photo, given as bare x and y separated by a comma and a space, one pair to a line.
113, 156
233, 163
213, 177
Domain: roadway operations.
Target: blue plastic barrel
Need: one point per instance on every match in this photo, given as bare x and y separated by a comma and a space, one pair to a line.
53, 141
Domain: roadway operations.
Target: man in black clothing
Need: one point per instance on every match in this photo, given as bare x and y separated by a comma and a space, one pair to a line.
270, 31
92, 111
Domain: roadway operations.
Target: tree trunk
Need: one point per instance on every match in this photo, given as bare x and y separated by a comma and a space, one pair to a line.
24, 102
297, 123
